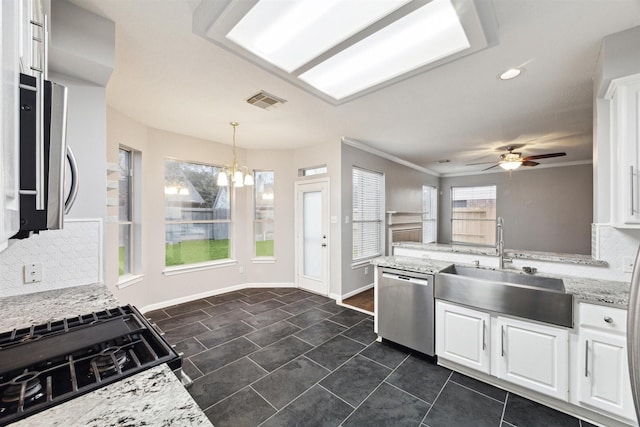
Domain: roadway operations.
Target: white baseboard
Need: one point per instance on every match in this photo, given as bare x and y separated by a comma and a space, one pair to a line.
357, 291
169, 303
339, 298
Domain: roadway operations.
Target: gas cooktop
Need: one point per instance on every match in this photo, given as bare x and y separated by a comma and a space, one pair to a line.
44, 365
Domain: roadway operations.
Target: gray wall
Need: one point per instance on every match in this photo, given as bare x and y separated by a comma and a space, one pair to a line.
403, 192
546, 209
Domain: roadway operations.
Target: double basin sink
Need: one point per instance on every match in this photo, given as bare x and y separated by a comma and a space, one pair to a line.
532, 297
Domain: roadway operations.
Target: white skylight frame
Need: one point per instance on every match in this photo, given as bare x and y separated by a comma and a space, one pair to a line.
214, 20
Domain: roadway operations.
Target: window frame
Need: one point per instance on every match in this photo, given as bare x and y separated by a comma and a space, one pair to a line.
196, 266
135, 274
356, 261
494, 220
430, 216
262, 258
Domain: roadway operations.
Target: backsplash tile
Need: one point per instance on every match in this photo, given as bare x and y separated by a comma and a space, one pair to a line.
69, 257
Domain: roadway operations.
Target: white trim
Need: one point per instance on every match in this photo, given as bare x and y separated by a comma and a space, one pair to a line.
171, 271
540, 166
264, 260
169, 303
129, 280
364, 262
100, 242
361, 146
352, 293
614, 83
357, 291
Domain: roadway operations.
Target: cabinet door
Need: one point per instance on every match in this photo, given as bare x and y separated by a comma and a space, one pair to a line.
462, 336
534, 356
603, 372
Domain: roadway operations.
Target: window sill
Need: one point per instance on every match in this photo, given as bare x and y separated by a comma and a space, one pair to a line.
171, 271
129, 280
264, 260
363, 262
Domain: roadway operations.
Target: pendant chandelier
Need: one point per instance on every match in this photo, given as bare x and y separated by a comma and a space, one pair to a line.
238, 176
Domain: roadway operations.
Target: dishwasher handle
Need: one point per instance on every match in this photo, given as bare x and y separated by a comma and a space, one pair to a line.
405, 278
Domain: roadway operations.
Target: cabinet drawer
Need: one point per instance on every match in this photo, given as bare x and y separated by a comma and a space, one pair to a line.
602, 317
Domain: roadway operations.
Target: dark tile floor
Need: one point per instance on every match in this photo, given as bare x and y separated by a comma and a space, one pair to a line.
284, 357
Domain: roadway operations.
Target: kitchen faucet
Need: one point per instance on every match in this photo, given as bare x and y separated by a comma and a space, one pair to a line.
500, 241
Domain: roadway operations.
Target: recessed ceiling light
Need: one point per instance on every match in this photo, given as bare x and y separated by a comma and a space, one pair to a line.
511, 73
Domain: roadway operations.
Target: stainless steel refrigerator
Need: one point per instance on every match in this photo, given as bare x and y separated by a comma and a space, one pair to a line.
633, 334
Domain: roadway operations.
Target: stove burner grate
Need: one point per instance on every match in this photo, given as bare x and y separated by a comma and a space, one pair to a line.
29, 382
109, 361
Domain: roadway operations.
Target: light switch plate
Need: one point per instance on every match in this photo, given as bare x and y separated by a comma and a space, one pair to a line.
627, 264
33, 272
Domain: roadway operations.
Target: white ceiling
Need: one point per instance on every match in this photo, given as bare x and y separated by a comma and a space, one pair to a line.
168, 78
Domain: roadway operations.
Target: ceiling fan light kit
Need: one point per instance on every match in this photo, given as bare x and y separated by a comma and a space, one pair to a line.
513, 160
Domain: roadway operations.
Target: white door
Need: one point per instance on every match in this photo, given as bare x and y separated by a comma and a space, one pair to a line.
604, 375
312, 236
534, 356
462, 336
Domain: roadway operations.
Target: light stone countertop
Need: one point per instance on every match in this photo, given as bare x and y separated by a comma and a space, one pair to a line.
583, 289
153, 397
510, 253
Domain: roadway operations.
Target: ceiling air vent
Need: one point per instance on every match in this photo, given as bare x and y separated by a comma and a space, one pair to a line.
265, 100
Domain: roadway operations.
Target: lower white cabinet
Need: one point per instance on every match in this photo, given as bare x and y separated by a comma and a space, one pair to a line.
462, 336
603, 373
534, 356
529, 354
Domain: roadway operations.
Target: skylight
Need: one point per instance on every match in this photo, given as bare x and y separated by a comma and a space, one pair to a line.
423, 36
289, 34
339, 50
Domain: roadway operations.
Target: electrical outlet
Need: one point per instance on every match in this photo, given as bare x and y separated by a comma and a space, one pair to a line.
33, 273
627, 264
241, 269
346, 219
366, 270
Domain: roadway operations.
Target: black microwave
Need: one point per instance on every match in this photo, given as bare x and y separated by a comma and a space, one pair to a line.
43, 156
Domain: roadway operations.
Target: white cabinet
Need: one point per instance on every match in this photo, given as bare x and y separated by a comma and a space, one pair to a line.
528, 354
603, 374
9, 125
462, 336
534, 356
624, 96
32, 37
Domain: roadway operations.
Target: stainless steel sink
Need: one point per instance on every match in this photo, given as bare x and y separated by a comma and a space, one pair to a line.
532, 297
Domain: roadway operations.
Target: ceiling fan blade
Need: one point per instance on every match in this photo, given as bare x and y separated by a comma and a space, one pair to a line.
529, 163
544, 156
491, 167
480, 163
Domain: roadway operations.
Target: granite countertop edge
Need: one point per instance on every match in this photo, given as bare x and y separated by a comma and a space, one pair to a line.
597, 291
511, 253
160, 397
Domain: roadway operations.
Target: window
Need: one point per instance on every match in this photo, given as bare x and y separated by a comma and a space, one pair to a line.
125, 212
197, 214
473, 215
429, 214
367, 217
263, 213
316, 170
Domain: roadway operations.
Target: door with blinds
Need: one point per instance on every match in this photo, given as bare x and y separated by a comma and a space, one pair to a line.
312, 236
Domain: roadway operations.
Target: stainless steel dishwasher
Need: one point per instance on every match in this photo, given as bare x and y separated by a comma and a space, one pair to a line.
406, 309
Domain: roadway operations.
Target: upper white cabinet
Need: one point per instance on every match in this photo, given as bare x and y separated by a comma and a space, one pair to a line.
624, 96
9, 124
33, 38
603, 373
534, 356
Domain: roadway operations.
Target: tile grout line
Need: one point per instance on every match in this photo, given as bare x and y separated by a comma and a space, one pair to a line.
477, 392
406, 392
374, 390
504, 409
333, 394
263, 398
436, 399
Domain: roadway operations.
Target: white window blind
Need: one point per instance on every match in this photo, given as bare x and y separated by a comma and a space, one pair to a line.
367, 216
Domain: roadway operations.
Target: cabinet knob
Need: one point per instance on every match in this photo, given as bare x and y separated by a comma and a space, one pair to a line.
608, 319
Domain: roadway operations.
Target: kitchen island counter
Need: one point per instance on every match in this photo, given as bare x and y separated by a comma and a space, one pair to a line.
596, 291
152, 397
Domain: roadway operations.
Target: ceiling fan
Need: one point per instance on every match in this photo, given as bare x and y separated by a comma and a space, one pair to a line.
513, 160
